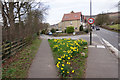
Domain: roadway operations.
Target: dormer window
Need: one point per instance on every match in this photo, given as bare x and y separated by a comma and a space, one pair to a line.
66, 17
75, 15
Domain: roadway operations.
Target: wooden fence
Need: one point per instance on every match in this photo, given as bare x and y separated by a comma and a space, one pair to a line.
11, 48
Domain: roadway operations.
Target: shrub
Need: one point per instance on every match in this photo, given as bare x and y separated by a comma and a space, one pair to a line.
43, 32
70, 29
65, 31
81, 28
57, 29
86, 30
53, 30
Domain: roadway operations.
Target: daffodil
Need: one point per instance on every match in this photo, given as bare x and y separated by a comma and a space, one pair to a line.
61, 68
55, 40
77, 50
67, 46
73, 71
63, 65
59, 59
58, 62
67, 71
67, 62
64, 51
68, 57
57, 65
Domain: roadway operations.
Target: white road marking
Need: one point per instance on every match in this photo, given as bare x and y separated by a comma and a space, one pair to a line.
91, 46
111, 47
101, 41
119, 44
100, 46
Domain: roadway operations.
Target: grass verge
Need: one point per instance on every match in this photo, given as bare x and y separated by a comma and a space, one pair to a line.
114, 26
70, 57
17, 66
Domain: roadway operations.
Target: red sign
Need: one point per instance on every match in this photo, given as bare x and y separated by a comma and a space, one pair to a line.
91, 20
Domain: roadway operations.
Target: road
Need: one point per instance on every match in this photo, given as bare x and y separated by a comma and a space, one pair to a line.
85, 37
97, 36
111, 37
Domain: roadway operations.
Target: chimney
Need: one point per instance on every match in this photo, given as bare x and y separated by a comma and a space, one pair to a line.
72, 11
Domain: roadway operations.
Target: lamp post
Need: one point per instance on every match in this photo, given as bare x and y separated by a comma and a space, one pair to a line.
90, 24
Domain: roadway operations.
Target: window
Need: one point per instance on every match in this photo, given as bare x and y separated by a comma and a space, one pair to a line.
75, 15
66, 17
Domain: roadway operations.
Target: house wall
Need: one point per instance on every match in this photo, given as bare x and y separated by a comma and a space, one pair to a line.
76, 24
60, 26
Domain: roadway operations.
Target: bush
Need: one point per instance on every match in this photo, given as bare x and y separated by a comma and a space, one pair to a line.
81, 28
86, 30
70, 29
57, 29
53, 30
65, 31
43, 32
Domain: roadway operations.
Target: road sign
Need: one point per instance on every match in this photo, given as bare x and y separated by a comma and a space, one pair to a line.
91, 20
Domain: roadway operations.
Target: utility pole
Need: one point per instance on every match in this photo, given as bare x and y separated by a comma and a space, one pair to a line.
90, 24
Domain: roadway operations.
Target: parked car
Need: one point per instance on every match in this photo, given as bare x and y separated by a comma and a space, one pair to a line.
50, 33
97, 28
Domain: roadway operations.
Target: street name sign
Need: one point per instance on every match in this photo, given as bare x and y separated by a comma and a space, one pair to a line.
91, 20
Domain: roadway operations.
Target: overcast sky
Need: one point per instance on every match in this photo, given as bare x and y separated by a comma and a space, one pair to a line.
59, 7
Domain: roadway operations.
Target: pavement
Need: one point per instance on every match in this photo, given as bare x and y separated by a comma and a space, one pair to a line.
43, 64
101, 63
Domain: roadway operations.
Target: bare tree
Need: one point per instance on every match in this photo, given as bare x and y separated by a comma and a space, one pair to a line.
29, 15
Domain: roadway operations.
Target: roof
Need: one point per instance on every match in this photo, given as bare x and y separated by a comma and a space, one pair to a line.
71, 16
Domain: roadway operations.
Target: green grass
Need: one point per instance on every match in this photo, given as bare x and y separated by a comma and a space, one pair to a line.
19, 66
77, 62
114, 26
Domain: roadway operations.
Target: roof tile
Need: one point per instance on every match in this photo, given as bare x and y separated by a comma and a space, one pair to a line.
71, 16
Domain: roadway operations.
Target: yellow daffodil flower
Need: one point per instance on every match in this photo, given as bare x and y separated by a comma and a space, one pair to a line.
59, 59
68, 57
63, 65
61, 68
67, 71
73, 71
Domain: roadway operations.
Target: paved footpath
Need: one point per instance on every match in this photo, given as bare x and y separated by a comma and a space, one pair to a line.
101, 63
43, 64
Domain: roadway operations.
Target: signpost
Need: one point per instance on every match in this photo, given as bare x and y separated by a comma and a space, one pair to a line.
91, 20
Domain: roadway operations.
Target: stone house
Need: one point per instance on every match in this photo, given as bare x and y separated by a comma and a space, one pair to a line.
72, 19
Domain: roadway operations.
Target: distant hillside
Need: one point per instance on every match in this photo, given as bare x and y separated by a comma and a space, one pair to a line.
111, 15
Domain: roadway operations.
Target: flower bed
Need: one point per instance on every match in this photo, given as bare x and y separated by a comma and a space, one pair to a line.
69, 56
